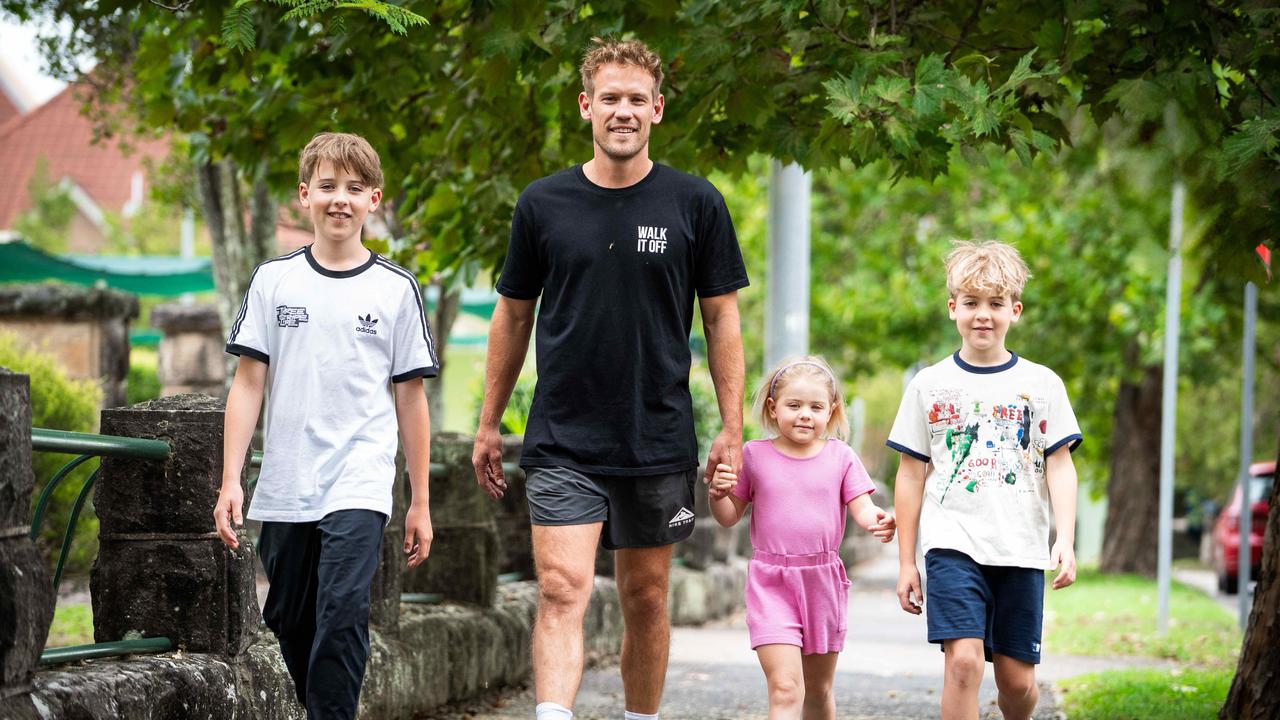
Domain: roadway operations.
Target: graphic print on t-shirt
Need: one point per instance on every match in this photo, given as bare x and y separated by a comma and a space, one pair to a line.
651, 239
290, 316
367, 324
989, 445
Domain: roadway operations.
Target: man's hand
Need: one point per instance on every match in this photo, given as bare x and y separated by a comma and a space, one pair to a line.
723, 482
227, 511
417, 534
909, 595
486, 458
726, 449
1063, 556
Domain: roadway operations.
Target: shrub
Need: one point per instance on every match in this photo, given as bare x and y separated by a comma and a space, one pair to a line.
58, 403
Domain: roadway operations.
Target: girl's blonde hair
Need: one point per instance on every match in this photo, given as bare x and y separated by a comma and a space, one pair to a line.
810, 366
988, 267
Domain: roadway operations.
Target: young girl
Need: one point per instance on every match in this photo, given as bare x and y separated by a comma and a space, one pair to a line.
801, 480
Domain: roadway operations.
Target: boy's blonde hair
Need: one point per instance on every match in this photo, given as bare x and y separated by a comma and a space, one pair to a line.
619, 52
344, 151
987, 267
810, 366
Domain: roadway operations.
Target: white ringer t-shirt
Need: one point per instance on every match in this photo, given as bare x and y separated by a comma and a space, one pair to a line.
985, 432
333, 341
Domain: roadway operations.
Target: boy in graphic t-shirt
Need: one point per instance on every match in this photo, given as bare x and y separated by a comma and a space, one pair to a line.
339, 334
985, 438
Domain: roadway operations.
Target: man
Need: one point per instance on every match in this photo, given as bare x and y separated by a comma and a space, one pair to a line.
616, 248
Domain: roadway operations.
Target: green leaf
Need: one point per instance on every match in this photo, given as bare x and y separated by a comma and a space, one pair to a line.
238, 31
1139, 99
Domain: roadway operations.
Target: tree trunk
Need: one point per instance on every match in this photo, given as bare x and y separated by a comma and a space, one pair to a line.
441, 324
235, 251
1255, 691
1133, 491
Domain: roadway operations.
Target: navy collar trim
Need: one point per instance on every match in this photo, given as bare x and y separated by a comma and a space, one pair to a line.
373, 257
985, 369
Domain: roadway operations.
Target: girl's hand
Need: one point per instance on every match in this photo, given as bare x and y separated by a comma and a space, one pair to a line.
884, 526
722, 482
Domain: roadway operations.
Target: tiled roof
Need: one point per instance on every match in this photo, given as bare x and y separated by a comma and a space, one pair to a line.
59, 132
8, 108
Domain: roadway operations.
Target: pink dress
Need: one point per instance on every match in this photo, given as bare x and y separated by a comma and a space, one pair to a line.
797, 589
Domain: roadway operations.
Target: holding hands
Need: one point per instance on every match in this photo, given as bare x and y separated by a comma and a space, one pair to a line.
722, 482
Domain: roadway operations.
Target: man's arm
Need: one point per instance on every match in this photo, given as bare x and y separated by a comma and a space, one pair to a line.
908, 493
723, 328
509, 331
415, 434
1060, 476
244, 401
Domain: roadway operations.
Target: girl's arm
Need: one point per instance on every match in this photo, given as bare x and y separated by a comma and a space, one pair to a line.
725, 506
872, 518
728, 509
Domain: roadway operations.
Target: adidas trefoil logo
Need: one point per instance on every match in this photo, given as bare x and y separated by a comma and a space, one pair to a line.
368, 324
683, 517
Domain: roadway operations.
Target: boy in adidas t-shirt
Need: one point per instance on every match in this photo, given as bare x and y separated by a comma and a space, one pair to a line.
339, 334
986, 440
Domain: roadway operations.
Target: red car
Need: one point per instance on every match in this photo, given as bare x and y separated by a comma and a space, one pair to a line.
1226, 531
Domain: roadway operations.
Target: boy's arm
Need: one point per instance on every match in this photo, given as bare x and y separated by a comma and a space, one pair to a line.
908, 492
723, 327
415, 434
508, 343
872, 518
1060, 476
244, 401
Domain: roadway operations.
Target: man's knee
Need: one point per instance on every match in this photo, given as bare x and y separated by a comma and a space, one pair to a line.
644, 601
563, 594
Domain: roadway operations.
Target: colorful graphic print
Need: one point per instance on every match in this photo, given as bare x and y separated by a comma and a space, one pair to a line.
988, 445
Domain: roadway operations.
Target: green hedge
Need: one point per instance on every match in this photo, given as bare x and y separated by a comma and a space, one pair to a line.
59, 403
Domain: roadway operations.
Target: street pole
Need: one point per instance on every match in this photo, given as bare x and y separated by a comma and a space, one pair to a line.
1246, 452
786, 320
1169, 404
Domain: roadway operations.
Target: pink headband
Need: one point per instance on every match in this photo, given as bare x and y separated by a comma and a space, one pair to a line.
773, 384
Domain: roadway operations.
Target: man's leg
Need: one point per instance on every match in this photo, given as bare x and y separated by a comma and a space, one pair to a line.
349, 552
565, 557
642, 575
965, 663
290, 553
1016, 686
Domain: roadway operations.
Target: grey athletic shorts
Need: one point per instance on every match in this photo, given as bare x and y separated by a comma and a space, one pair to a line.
637, 511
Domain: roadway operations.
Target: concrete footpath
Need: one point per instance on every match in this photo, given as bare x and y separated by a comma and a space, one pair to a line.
888, 669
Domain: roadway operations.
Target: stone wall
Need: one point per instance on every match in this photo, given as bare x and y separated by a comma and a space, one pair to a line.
191, 357
162, 571
86, 329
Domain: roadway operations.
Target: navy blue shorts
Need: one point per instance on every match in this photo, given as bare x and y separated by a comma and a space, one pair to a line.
1003, 606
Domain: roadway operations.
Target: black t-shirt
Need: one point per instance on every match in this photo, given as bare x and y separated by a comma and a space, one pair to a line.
617, 270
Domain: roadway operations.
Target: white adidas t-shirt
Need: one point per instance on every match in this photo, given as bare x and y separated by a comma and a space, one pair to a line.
986, 432
334, 341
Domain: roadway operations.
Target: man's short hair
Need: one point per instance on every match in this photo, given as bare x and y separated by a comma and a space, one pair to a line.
612, 51
344, 151
987, 267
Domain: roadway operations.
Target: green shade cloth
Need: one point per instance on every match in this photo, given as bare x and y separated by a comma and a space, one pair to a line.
167, 276
144, 275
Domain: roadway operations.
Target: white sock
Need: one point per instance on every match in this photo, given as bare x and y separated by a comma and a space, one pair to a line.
553, 711
628, 715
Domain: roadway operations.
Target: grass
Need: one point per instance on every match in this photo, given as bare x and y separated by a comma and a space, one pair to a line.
72, 625
1146, 694
1116, 615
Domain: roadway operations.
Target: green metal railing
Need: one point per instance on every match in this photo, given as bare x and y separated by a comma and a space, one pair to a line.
86, 447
